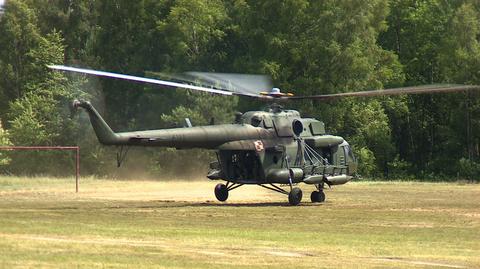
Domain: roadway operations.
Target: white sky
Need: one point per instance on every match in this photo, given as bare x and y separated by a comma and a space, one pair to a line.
1, 2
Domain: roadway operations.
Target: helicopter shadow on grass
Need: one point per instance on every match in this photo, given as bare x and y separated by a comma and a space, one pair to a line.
172, 203
159, 204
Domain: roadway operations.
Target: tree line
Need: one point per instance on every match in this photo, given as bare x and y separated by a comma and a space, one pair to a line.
306, 46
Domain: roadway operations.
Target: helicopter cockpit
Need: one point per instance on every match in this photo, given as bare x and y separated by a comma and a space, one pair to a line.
257, 119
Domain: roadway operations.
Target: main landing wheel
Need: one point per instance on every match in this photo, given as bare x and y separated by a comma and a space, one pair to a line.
221, 192
317, 197
295, 196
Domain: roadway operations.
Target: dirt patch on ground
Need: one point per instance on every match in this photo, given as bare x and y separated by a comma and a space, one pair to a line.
285, 254
416, 262
99, 241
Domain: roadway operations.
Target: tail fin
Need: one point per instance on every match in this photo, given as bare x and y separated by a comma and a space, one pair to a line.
104, 133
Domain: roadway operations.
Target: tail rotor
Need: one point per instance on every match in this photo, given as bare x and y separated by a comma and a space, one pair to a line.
73, 107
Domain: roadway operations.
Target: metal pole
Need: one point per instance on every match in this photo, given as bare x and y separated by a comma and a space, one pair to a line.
77, 168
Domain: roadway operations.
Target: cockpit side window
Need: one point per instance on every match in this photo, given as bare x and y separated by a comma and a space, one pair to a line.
348, 153
255, 121
267, 122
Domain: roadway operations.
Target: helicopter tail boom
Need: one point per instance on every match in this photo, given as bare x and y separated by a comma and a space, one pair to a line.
228, 136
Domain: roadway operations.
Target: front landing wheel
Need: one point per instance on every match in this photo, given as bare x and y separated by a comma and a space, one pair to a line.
221, 192
295, 196
317, 197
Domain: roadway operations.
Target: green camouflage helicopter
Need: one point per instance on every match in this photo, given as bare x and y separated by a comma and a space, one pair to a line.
274, 149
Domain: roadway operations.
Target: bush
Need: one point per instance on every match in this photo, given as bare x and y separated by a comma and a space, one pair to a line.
4, 141
400, 169
469, 169
366, 160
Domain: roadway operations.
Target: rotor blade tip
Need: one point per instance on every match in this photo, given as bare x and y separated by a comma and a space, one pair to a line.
55, 66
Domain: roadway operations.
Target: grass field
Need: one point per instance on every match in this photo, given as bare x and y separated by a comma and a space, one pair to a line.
174, 224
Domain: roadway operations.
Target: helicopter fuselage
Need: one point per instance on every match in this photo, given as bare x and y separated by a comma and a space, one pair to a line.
297, 149
262, 147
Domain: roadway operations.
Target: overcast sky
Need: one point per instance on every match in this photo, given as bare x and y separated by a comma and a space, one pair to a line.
1, 2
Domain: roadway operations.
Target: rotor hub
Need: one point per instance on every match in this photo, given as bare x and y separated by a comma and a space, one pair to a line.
276, 93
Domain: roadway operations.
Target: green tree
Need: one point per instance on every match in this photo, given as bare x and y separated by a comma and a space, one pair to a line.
76, 21
460, 62
4, 141
416, 28
125, 41
435, 41
18, 34
416, 32
368, 126
191, 30
37, 117
35, 94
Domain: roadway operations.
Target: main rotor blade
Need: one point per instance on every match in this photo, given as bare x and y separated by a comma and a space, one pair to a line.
138, 79
239, 84
244, 84
437, 88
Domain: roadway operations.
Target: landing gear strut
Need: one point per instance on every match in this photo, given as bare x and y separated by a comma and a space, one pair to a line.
294, 196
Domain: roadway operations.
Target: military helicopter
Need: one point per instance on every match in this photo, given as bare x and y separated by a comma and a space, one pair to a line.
275, 149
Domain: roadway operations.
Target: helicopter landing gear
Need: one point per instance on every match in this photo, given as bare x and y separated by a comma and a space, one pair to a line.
317, 196
221, 190
295, 196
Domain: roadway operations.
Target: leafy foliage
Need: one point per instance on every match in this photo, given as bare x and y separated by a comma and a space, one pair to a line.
4, 141
19, 33
191, 28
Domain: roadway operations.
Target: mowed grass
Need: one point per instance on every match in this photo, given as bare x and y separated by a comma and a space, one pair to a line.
178, 224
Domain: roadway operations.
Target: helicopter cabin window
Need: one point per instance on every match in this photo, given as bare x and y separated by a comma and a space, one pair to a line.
317, 128
340, 156
241, 165
255, 121
267, 123
345, 155
327, 156
275, 159
348, 153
